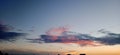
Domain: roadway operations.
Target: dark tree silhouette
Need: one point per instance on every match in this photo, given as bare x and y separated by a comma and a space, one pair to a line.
6, 53
82, 54
1, 53
68, 54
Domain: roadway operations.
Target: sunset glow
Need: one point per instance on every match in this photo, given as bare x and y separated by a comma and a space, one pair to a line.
60, 27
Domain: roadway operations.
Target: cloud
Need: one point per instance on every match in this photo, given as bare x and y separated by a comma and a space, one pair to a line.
6, 35
61, 35
20, 52
110, 38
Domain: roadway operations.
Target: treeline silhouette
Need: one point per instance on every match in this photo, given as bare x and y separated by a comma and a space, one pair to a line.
3, 53
71, 54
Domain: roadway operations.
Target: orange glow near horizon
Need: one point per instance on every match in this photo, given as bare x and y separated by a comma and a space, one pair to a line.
99, 50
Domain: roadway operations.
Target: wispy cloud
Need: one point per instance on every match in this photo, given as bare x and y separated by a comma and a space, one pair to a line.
110, 38
6, 35
62, 35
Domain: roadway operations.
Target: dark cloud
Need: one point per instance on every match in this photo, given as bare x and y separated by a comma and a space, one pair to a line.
19, 52
110, 38
67, 37
104, 31
6, 35
82, 39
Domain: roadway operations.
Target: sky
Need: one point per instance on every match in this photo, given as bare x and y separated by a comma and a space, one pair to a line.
60, 25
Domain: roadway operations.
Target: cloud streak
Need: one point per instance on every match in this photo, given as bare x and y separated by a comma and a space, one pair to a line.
110, 38
6, 35
61, 35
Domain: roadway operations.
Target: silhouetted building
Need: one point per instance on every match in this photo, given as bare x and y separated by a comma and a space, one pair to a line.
82, 54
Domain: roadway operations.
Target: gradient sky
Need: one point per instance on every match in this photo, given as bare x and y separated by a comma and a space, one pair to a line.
83, 16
